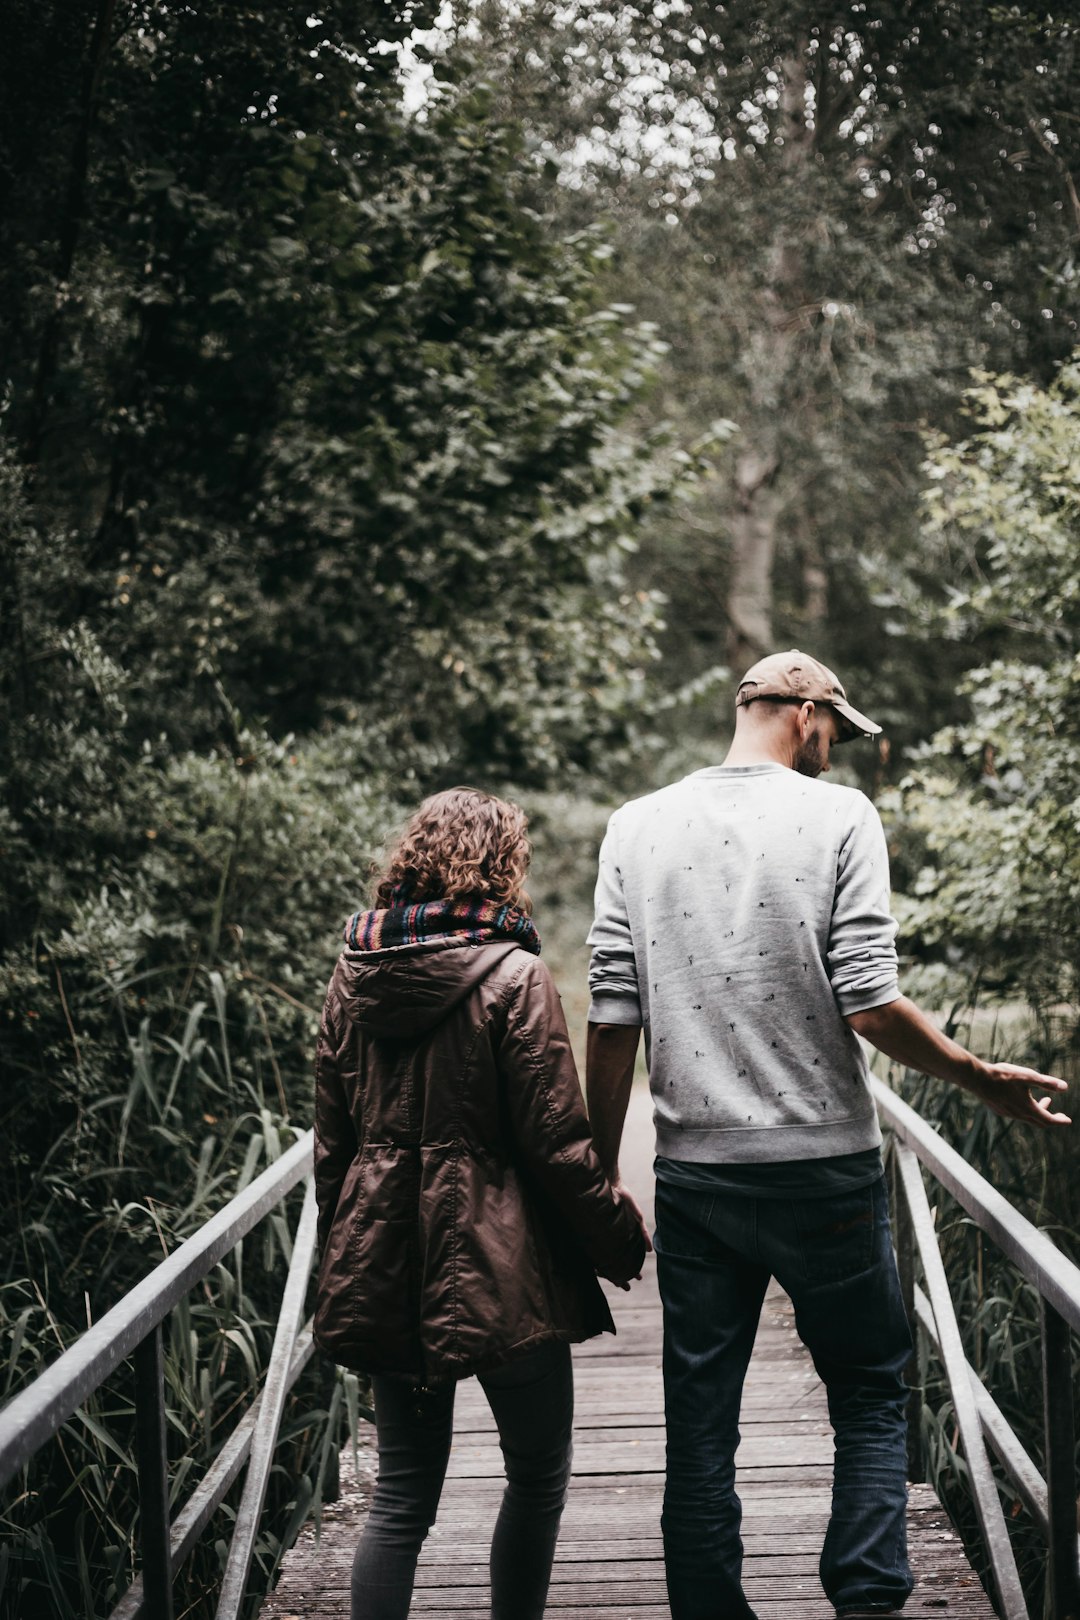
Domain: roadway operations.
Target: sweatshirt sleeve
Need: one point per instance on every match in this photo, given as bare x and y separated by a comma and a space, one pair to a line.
613, 980
551, 1128
862, 950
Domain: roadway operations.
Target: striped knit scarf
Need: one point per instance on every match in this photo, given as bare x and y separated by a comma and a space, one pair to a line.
475, 918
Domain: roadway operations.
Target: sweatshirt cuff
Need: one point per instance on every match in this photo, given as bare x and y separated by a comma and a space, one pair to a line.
606, 1008
857, 1001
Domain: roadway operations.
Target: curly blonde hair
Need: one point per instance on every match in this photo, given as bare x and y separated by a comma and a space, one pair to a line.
459, 842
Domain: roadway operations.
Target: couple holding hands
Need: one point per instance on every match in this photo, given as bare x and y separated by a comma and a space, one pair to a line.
467, 1202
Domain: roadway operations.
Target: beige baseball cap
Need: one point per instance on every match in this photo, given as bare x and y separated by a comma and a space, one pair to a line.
795, 676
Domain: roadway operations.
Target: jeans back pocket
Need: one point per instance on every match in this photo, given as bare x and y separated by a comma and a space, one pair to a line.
836, 1234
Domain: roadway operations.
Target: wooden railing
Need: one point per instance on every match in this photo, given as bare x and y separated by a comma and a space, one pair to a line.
133, 1328
1052, 1501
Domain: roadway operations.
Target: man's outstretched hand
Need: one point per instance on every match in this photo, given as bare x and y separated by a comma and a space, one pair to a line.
904, 1033
1008, 1089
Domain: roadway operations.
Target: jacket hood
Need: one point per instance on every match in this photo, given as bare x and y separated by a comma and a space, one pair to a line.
402, 993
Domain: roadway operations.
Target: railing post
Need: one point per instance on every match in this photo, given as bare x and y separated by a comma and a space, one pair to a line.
1063, 1573
1011, 1604
904, 1235
332, 1475
153, 1476
275, 1389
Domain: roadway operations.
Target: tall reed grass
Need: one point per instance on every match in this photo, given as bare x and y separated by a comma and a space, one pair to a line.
71, 1523
998, 1310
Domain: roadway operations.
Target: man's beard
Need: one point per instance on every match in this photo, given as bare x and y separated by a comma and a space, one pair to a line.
808, 759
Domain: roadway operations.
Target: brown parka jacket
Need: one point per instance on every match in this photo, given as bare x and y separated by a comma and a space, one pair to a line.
463, 1212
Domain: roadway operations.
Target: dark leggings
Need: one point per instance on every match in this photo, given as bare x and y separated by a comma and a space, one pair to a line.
532, 1400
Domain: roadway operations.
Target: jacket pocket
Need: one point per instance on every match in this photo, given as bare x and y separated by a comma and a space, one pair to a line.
367, 1305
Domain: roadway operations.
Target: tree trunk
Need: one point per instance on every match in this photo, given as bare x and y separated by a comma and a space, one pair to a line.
757, 497
753, 546
815, 580
71, 224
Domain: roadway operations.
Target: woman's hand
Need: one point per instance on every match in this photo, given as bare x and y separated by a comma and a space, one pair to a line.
624, 1196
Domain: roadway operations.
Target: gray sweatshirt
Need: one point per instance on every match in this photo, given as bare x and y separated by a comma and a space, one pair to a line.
740, 913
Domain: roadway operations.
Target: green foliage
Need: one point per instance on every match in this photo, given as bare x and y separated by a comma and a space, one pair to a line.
326, 434
831, 215
994, 803
71, 1537
988, 828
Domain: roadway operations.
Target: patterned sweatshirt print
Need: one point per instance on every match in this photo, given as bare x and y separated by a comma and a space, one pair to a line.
740, 914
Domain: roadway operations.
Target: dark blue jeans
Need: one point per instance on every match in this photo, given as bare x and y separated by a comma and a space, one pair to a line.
532, 1399
833, 1256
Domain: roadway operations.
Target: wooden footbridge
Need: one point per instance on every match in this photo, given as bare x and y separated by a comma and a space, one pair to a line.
609, 1563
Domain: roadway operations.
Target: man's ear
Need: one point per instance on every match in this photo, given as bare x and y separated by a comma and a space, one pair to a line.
807, 712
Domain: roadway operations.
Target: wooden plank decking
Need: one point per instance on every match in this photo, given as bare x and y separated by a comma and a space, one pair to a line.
609, 1564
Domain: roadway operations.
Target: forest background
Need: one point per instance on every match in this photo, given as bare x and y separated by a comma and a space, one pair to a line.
395, 396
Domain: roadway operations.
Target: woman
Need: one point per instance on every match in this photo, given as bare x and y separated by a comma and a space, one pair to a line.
463, 1213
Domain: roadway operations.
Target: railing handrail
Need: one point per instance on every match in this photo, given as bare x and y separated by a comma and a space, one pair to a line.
1032, 1253
33, 1416
1052, 1499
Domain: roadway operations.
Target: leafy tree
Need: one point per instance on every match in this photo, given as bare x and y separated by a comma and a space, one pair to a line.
993, 803
986, 825
831, 216
313, 424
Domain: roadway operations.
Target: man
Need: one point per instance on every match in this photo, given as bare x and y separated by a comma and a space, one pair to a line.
742, 919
